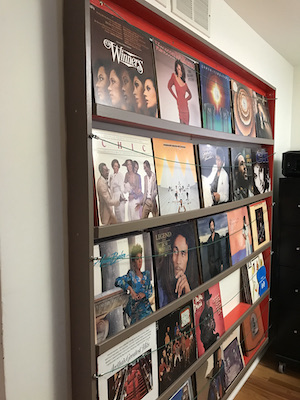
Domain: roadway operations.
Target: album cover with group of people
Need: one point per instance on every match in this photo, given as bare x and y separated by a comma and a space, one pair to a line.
136, 72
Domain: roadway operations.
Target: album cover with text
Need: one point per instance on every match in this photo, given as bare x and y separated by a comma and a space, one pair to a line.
262, 117
261, 171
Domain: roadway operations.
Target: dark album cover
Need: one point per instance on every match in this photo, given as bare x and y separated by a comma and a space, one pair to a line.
124, 283
214, 245
234, 362
175, 260
125, 177
253, 331
208, 316
239, 234
215, 174
122, 65
177, 85
186, 392
176, 345
262, 117
176, 176
243, 109
242, 173
216, 99
261, 171
259, 224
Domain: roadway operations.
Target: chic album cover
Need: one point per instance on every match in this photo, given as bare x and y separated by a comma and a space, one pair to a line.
233, 359
177, 85
176, 345
125, 283
253, 331
261, 171
208, 316
122, 65
216, 99
129, 369
176, 176
175, 261
242, 173
125, 177
239, 234
215, 174
214, 245
243, 109
259, 224
262, 117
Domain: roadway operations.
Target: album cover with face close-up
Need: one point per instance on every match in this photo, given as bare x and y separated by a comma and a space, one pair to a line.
242, 173
122, 65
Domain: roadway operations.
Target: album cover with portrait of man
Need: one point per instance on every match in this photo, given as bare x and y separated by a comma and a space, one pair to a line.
125, 178
261, 171
177, 85
242, 173
176, 176
122, 64
243, 109
259, 224
176, 345
124, 289
262, 116
216, 177
175, 260
216, 99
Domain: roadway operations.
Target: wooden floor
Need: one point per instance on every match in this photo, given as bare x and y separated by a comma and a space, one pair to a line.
266, 383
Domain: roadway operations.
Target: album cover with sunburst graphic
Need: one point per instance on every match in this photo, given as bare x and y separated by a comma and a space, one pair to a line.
216, 99
176, 176
243, 109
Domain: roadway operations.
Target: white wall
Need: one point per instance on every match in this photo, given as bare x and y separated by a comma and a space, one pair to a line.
32, 202
295, 138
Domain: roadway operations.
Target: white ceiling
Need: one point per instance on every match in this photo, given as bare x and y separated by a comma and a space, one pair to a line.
276, 21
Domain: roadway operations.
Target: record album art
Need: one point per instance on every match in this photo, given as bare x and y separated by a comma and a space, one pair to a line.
215, 174
233, 360
261, 171
124, 283
243, 109
176, 176
242, 173
214, 245
177, 85
186, 392
259, 224
262, 117
122, 65
125, 177
216, 99
253, 331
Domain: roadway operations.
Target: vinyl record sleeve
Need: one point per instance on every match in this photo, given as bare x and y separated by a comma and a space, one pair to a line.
130, 368
243, 109
253, 331
239, 234
257, 277
261, 171
175, 260
259, 224
176, 176
177, 85
126, 194
233, 358
186, 392
262, 117
208, 317
115, 274
216, 99
122, 65
242, 173
214, 245
176, 345
215, 174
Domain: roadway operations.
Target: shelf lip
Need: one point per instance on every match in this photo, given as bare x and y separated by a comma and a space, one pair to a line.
107, 231
162, 312
116, 116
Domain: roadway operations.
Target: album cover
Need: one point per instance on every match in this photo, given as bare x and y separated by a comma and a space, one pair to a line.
176, 345
246, 294
124, 283
214, 245
176, 176
233, 359
216, 99
208, 316
261, 171
215, 174
210, 377
122, 65
243, 109
125, 177
186, 392
259, 224
177, 85
175, 260
242, 173
262, 117
239, 234
253, 331
129, 369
